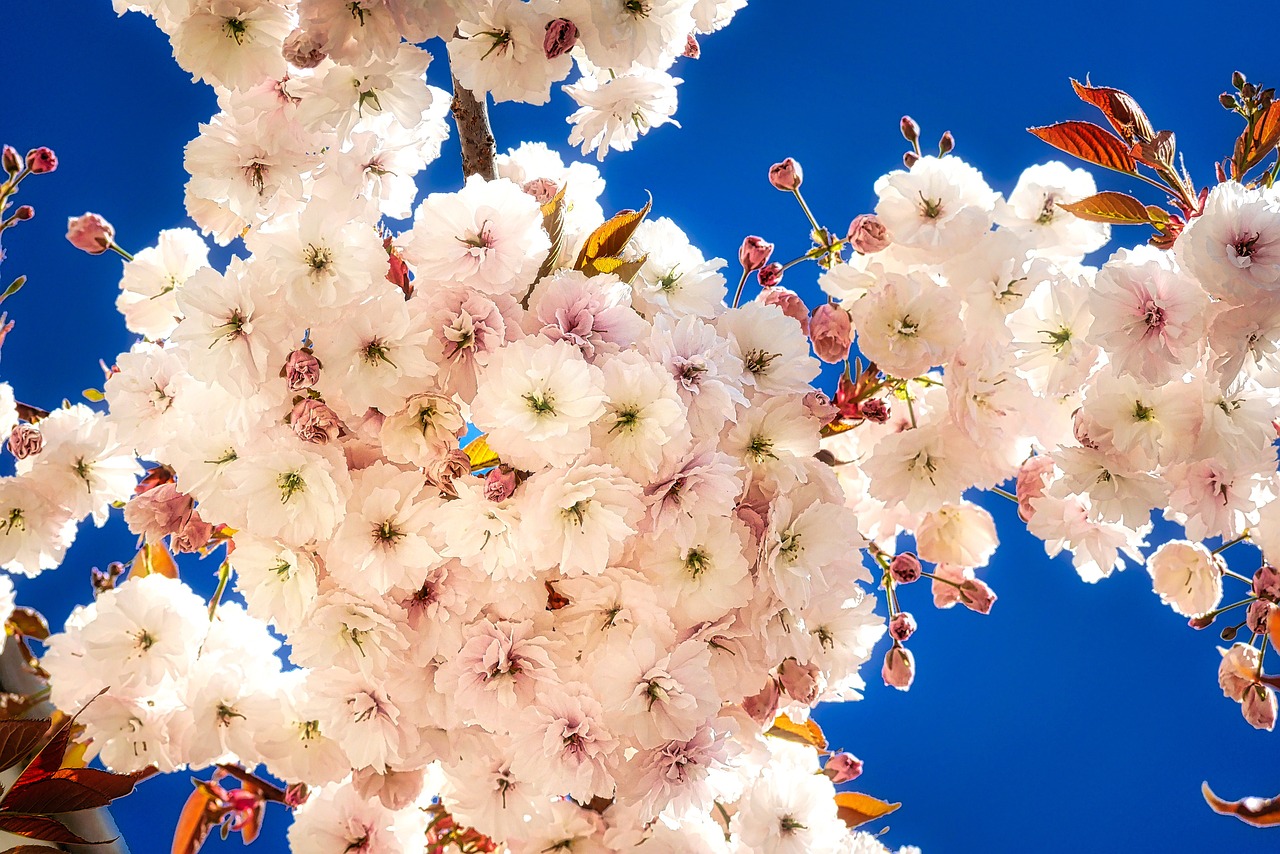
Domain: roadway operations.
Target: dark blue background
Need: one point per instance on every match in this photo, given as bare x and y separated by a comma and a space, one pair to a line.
1074, 717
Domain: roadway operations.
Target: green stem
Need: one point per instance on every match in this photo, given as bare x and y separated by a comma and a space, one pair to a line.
122, 253
742, 283
1004, 493
804, 207
224, 573
1222, 548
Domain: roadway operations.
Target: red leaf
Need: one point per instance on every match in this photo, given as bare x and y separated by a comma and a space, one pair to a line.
33, 849
1263, 140
1111, 207
1090, 143
19, 738
1122, 112
68, 790
43, 828
30, 623
1256, 811
47, 762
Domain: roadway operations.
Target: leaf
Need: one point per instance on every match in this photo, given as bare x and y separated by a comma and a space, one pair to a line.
68, 790
624, 270
19, 738
153, 559
1262, 141
480, 454
1158, 153
93, 395
611, 238
553, 225
33, 849
30, 623
43, 828
202, 811
855, 808
49, 759
13, 288
806, 733
1273, 627
1259, 812
1109, 206
1090, 143
1122, 112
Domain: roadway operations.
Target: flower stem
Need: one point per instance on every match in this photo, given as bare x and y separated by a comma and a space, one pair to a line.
742, 283
1004, 493
1222, 548
224, 572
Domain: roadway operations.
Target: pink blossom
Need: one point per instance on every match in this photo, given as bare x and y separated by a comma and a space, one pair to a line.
90, 233
802, 682
868, 234
25, 440
902, 626
301, 370
842, 767
315, 422
754, 253
899, 669
831, 331
790, 303
786, 176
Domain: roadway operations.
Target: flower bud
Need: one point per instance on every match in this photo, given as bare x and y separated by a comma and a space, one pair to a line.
1259, 707
1199, 623
902, 626
41, 160
977, 595
820, 407
786, 176
692, 50
947, 144
868, 234
910, 158
762, 707
754, 253
770, 275
910, 130
315, 422
301, 370
90, 233
842, 767
25, 440
1266, 583
790, 303
443, 471
302, 50
905, 568
899, 669
1227, 100
1237, 79
875, 410
192, 535
561, 35
296, 794
500, 483
831, 331
800, 681
12, 162
24, 212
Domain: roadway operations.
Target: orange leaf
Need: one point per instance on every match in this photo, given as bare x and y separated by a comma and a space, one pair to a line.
153, 558
480, 454
1109, 206
806, 733
1273, 627
1122, 112
200, 813
1090, 143
611, 238
855, 808
1256, 811
1263, 140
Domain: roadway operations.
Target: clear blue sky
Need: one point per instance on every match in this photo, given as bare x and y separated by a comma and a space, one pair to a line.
1074, 717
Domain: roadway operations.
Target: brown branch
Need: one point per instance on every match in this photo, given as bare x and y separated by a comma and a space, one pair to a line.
479, 151
27, 412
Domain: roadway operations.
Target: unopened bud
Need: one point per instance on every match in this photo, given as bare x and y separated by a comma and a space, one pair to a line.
91, 233
1266, 583
754, 253
41, 160
786, 176
1259, 705
820, 407
910, 158
1237, 79
947, 144
296, 794
560, 37
25, 440
800, 681
692, 50
842, 767
905, 568
899, 669
301, 370
875, 410
902, 626
500, 482
868, 234
1227, 100
1257, 615
313, 421
770, 274
910, 130
24, 212
12, 162
977, 596
831, 331
1248, 90
302, 50
1199, 623
790, 303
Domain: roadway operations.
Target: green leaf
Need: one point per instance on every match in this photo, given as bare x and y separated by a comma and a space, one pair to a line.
13, 288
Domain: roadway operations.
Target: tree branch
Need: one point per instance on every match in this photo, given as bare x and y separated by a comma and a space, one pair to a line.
479, 151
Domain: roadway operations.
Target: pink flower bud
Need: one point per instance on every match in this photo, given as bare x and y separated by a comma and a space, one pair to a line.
910, 130
831, 331
842, 767
1259, 707
910, 159
786, 176
12, 162
875, 409
790, 303
192, 535
902, 626
905, 568
302, 50
1199, 623
91, 233
754, 253
500, 483
157, 513
899, 669
395, 789
1257, 615
770, 274
542, 189
296, 794
560, 37
820, 407
41, 160
25, 440
868, 234
692, 50
1266, 583
800, 681
1033, 477
443, 471
315, 422
977, 595
24, 212
301, 370
947, 144
763, 706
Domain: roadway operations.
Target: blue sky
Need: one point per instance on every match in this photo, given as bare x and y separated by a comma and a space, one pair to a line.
1074, 717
